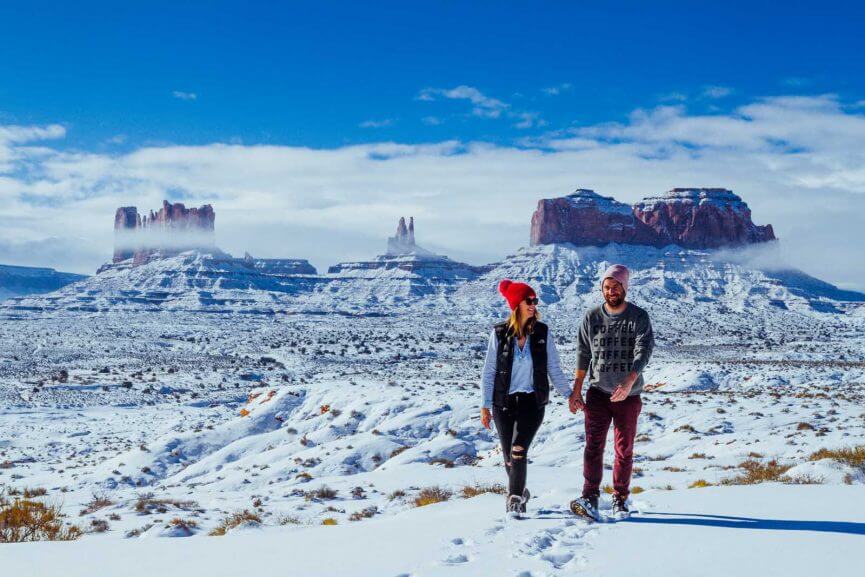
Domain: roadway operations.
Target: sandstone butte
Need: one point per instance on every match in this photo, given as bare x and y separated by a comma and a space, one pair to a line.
697, 218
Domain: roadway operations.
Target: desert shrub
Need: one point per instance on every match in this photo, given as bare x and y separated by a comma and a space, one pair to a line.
186, 525
323, 493
288, 520
25, 520
698, 456
448, 464
148, 504
397, 451
757, 472
470, 491
804, 427
363, 514
699, 483
99, 501
137, 532
396, 495
431, 495
636, 490
328, 521
852, 456
98, 526
235, 520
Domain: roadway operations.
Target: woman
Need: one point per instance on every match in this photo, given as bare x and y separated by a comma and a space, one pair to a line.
521, 361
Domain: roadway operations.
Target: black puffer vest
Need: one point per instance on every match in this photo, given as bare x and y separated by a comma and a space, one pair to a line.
505, 359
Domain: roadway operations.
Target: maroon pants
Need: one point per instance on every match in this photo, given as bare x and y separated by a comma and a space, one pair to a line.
600, 411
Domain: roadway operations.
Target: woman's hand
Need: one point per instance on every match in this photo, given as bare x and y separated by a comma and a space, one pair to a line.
486, 417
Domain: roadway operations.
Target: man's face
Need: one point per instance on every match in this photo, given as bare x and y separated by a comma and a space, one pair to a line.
614, 294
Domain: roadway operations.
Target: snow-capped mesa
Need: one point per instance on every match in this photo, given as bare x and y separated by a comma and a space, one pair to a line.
697, 218
18, 281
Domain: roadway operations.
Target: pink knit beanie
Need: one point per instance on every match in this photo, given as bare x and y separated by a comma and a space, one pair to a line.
619, 273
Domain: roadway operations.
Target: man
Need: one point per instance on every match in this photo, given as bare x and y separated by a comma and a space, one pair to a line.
615, 343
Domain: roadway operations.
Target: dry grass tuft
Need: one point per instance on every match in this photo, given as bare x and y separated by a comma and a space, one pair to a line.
699, 484
235, 520
431, 495
470, 491
329, 521
852, 456
757, 472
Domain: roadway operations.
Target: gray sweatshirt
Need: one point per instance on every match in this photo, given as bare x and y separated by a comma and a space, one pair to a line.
611, 346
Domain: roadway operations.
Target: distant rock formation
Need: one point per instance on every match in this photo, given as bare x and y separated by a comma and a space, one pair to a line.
278, 266
404, 254
169, 231
24, 280
403, 241
702, 218
699, 218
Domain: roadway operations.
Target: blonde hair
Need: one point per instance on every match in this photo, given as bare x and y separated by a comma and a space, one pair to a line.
517, 328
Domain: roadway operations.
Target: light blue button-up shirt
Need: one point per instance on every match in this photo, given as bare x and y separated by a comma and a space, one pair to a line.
522, 379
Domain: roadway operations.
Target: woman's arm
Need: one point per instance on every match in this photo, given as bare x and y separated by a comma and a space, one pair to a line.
488, 375
554, 368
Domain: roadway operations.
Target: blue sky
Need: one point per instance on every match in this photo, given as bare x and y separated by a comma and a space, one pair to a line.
312, 127
325, 74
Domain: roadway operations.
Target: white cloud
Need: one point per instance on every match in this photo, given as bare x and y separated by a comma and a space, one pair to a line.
377, 123
181, 95
528, 119
798, 162
716, 92
482, 105
558, 89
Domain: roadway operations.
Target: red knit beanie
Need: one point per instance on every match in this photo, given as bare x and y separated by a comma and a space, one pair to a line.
515, 292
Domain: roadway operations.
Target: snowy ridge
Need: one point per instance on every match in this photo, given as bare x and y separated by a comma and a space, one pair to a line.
585, 198
24, 280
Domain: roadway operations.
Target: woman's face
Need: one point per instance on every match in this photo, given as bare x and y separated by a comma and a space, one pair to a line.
528, 307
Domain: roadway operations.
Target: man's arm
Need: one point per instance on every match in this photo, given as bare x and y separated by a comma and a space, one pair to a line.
584, 358
643, 347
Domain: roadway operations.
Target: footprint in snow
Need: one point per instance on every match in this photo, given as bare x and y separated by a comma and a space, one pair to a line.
457, 559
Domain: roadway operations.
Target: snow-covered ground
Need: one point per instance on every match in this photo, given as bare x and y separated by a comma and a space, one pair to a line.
183, 394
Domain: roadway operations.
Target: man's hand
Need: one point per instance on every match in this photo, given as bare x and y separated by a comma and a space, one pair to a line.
575, 402
486, 417
624, 389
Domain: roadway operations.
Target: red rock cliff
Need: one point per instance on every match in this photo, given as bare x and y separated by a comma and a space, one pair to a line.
690, 217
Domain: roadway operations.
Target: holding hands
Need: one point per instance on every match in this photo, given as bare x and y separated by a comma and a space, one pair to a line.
575, 401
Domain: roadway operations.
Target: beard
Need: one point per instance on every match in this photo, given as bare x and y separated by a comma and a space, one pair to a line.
614, 301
